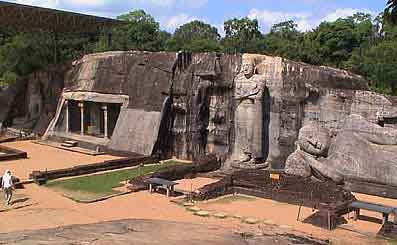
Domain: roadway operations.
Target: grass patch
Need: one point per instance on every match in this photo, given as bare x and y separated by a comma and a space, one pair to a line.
103, 184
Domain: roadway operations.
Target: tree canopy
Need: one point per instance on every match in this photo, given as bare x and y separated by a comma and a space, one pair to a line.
195, 36
241, 35
391, 11
359, 43
141, 33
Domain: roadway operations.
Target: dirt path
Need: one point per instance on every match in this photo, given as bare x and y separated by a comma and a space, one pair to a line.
52, 210
42, 157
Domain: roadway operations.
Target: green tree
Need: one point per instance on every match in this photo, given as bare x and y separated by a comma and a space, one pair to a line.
390, 13
7, 78
332, 43
23, 54
141, 32
195, 36
283, 40
378, 64
242, 35
286, 29
376, 60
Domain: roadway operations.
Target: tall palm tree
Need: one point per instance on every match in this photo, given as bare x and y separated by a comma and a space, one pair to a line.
391, 11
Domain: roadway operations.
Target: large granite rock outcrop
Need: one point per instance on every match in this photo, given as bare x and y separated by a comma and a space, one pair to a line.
180, 104
292, 94
247, 109
361, 151
31, 102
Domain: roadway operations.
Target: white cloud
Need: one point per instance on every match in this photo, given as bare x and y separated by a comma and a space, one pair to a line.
304, 21
87, 3
221, 29
178, 20
268, 18
195, 3
155, 3
305, 24
172, 3
343, 13
40, 3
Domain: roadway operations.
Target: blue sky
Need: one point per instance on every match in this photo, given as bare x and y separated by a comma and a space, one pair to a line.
172, 13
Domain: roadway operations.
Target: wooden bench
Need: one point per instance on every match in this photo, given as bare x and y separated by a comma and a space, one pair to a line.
356, 206
158, 183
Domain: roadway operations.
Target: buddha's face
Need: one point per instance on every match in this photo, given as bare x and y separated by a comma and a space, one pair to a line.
314, 140
247, 68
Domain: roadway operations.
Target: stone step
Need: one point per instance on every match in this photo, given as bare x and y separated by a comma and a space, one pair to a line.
71, 142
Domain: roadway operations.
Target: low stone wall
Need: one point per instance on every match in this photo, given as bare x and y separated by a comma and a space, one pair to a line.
214, 190
287, 189
41, 177
11, 154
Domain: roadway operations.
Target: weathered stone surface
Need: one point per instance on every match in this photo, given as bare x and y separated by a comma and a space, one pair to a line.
314, 139
136, 131
365, 151
251, 220
142, 232
362, 151
190, 128
296, 165
202, 213
221, 215
278, 98
194, 209
31, 102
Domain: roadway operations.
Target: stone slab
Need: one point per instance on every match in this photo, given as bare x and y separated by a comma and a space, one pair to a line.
136, 131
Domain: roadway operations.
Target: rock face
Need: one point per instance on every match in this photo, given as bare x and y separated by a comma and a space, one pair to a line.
179, 104
31, 102
361, 151
292, 95
247, 109
149, 232
297, 165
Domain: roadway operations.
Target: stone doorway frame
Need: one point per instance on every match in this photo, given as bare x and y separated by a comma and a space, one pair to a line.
82, 96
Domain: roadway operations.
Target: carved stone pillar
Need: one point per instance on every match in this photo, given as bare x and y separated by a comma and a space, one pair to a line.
105, 120
67, 116
81, 105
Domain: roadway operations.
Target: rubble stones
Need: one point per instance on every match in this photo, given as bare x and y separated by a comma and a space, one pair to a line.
251, 221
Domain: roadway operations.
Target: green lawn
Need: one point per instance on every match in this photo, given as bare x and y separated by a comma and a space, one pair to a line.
103, 184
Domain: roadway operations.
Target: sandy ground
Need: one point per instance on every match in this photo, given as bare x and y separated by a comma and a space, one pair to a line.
285, 215
52, 210
42, 157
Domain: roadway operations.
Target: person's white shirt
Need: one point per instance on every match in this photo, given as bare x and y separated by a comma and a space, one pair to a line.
7, 180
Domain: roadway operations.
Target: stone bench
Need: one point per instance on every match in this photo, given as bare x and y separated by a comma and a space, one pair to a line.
158, 183
356, 206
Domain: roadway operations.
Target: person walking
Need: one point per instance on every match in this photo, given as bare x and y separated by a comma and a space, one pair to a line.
7, 186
